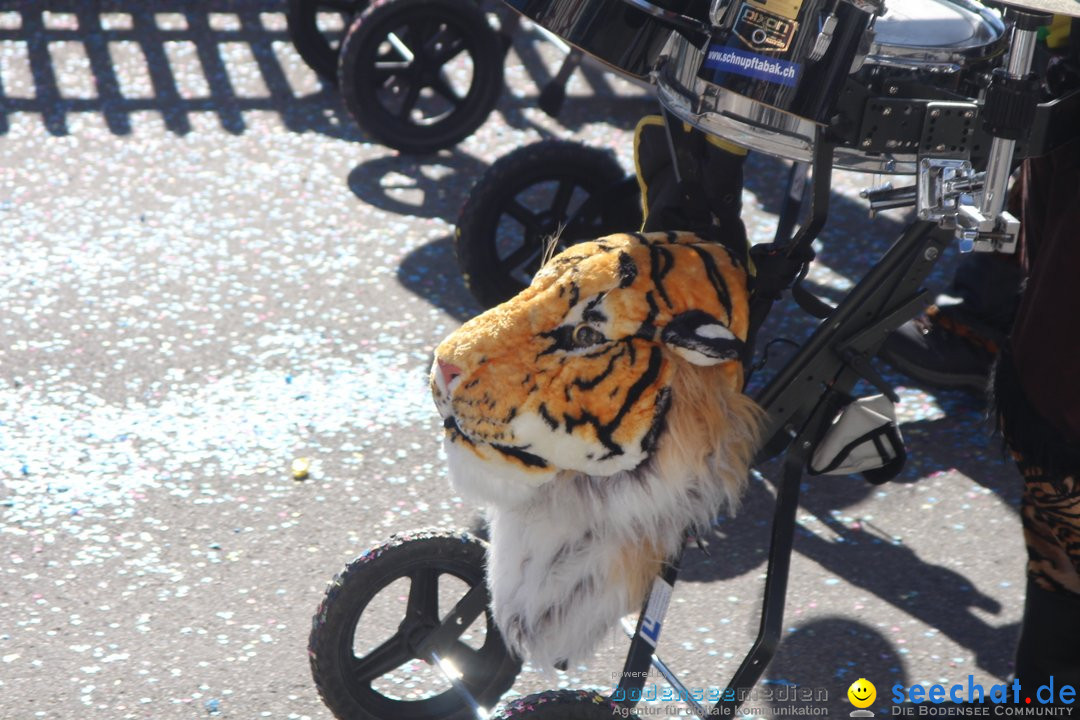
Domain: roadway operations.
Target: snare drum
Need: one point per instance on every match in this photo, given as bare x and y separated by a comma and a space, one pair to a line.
917, 50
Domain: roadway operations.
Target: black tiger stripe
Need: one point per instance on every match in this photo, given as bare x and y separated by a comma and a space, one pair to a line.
663, 402
603, 375
525, 458
562, 338
716, 278
591, 314
547, 417
661, 261
647, 329
652, 372
603, 432
628, 271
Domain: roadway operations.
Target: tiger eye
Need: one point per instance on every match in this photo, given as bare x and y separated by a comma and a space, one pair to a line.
585, 335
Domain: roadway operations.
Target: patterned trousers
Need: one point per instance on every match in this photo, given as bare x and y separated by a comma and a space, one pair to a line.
1051, 513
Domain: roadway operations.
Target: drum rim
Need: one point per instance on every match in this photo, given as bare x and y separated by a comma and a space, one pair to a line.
733, 117
888, 55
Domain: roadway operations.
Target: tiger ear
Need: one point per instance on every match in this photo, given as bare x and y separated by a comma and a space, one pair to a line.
699, 338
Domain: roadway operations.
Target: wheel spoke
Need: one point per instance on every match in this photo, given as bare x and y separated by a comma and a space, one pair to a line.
522, 214
465, 657
584, 222
424, 31
442, 86
524, 256
412, 96
390, 66
391, 654
560, 206
401, 47
386, 78
457, 621
423, 601
449, 51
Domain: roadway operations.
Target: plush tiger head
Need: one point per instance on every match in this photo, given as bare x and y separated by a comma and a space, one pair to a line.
600, 413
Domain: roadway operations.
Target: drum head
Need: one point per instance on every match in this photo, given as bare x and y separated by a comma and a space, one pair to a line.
954, 27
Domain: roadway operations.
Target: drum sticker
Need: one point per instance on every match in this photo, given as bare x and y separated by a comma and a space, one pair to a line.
655, 610
784, 8
740, 62
762, 30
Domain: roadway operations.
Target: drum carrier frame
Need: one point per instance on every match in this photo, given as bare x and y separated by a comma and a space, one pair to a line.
954, 202
803, 398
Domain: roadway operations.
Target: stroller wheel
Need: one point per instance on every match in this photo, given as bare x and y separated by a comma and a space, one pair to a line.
421, 75
549, 188
373, 635
561, 705
317, 46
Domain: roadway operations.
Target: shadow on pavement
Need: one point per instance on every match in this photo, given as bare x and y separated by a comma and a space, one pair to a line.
843, 650
431, 271
186, 57
191, 57
431, 187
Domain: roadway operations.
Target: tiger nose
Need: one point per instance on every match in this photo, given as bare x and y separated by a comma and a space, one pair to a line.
448, 371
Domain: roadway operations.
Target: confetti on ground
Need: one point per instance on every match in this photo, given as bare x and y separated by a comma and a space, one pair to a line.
212, 275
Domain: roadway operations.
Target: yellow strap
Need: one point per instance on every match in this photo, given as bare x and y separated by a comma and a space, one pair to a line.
720, 142
642, 187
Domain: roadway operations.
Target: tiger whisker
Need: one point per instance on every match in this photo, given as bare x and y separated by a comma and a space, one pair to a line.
551, 245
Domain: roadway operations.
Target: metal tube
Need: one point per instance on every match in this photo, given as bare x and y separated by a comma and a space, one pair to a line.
680, 689
999, 166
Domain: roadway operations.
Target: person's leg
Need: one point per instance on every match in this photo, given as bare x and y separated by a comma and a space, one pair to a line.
711, 201
1050, 633
1037, 396
954, 343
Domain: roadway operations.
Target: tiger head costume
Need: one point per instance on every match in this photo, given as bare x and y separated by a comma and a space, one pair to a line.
598, 414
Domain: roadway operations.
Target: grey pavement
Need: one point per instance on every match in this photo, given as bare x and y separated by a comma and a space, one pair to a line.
209, 272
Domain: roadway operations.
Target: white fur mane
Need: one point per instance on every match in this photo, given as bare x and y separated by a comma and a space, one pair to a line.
572, 555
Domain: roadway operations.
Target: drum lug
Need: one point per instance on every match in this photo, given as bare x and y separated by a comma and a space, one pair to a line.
824, 38
717, 11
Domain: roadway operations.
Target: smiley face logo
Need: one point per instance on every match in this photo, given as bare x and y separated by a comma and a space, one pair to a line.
862, 693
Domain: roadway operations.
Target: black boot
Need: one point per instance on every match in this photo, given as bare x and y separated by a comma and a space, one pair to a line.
1049, 643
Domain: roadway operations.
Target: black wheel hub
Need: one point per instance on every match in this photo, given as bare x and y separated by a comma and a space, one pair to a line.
415, 633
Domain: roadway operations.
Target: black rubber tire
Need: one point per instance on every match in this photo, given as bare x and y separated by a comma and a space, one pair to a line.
612, 203
489, 673
561, 705
315, 48
442, 27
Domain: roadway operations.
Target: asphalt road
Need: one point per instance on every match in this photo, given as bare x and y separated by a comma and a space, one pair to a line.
209, 272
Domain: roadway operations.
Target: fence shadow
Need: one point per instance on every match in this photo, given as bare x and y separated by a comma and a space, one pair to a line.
117, 58
179, 58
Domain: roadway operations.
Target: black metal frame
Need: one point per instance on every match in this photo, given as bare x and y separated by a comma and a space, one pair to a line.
803, 398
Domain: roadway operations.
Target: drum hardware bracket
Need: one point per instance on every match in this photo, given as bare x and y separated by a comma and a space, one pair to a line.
989, 227
940, 188
978, 233
948, 128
